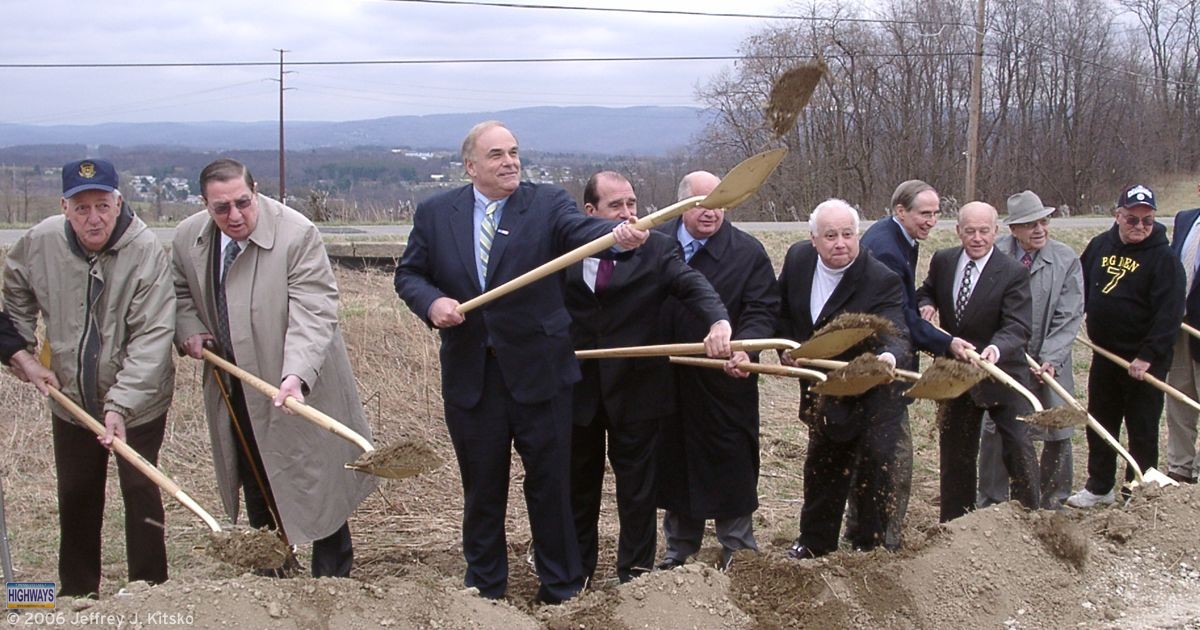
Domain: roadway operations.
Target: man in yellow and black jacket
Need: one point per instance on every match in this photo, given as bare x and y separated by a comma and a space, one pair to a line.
1133, 295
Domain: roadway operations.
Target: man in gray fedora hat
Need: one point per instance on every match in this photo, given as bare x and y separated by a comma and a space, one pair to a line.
1056, 284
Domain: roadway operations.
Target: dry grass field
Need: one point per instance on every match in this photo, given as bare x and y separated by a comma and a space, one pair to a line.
1121, 567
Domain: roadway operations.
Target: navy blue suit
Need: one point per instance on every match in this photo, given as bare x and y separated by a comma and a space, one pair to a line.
886, 242
507, 372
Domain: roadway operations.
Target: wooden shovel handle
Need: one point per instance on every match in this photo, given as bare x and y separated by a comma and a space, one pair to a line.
308, 413
668, 349
1093, 424
135, 458
830, 364
1153, 380
576, 255
746, 366
1189, 329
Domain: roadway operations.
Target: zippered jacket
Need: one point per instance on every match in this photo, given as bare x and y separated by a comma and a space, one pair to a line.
109, 317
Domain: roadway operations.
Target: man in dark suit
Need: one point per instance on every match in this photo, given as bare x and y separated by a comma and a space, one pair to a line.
507, 371
1182, 463
821, 279
708, 450
895, 242
614, 303
983, 299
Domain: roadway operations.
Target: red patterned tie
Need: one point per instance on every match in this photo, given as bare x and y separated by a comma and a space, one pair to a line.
604, 275
1027, 260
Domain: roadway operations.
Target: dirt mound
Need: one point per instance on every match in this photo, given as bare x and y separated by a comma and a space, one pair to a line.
256, 602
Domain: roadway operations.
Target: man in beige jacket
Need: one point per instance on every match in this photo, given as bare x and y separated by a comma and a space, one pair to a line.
99, 279
252, 278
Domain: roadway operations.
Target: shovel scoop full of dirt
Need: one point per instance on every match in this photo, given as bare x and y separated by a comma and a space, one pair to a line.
398, 461
860, 375
1057, 418
946, 379
249, 548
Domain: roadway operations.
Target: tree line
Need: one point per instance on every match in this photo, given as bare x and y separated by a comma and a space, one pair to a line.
1080, 98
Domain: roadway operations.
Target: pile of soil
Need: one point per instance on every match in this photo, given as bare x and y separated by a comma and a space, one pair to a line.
1124, 566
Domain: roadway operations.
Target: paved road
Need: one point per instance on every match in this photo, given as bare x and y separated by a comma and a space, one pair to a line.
8, 237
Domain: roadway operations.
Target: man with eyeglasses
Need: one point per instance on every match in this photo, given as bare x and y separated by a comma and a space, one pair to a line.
253, 281
1133, 298
1056, 284
97, 276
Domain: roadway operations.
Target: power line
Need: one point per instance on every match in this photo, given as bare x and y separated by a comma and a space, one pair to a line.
714, 14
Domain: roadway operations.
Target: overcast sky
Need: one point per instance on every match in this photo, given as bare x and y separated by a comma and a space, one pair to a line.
78, 31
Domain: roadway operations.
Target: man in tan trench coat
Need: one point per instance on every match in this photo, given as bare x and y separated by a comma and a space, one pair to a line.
282, 303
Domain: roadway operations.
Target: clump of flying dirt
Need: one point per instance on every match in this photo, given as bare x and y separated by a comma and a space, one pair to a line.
790, 93
1062, 537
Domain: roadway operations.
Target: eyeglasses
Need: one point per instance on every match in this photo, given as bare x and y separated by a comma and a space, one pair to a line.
1130, 220
225, 206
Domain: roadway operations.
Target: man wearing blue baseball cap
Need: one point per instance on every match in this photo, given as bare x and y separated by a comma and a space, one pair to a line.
101, 280
1133, 299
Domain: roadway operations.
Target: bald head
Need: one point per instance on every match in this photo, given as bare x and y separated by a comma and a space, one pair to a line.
976, 228
700, 222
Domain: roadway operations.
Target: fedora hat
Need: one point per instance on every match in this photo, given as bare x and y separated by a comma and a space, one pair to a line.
1025, 207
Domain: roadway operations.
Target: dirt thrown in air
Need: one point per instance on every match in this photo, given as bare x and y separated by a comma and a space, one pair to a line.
790, 93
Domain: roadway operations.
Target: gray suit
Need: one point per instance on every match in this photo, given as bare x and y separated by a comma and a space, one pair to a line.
1056, 282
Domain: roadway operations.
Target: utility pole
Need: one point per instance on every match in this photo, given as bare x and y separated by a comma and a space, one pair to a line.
282, 185
975, 105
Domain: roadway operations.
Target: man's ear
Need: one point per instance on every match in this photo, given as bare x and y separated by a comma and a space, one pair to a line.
589, 209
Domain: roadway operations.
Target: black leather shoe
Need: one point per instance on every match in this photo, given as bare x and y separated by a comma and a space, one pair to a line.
1181, 478
668, 564
802, 552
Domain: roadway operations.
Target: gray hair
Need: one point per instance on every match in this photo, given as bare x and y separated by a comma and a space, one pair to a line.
468, 145
815, 216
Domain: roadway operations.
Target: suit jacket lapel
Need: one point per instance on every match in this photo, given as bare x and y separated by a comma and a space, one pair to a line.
510, 223
807, 270
624, 269
462, 226
948, 290
984, 287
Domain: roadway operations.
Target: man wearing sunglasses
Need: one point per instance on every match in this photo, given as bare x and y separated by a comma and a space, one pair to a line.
1133, 299
253, 282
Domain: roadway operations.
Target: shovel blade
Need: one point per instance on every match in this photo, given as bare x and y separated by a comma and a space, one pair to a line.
831, 344
398, 461
1153, 475
744, 180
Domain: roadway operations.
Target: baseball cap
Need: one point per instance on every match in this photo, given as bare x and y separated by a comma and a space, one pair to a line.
84, 175
1137, 195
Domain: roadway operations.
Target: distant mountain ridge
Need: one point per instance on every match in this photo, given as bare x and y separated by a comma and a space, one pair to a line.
648, 130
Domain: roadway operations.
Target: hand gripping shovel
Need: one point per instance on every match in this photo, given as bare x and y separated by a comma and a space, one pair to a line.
746, 366
1150, 474
1154, 382
251, 548
401, 460
739, 185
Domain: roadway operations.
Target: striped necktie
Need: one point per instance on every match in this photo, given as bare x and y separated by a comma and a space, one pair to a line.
487, 230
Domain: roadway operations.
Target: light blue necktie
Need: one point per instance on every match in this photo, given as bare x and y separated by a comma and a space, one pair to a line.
689, 250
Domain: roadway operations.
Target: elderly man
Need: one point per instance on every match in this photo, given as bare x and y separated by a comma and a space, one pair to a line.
612, 304
895, 242
507, 371
1134, 300
983, 299
101, 281
708, 450
252, 279
1056, 284
1182, 464
821, 279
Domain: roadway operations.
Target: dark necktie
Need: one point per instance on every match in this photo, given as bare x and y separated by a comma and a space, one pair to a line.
1027, 260
231, 252
604, 275
964, 291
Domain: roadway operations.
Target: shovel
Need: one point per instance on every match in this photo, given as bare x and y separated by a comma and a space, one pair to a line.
405, 459
1154, 381
1189, 329
1150, 474
5, 552
841, 334
946, 379
254, 548
739, 185
667, 349
851, 378
746, 366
